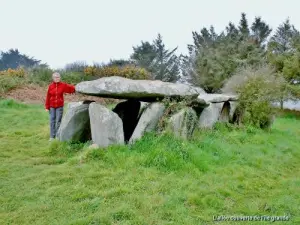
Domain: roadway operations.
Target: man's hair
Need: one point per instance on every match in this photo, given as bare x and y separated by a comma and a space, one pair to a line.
55, 74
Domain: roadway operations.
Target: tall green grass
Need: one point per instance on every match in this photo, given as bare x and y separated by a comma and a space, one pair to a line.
158, 180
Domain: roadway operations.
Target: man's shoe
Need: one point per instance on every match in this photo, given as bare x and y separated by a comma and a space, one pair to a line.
51, 139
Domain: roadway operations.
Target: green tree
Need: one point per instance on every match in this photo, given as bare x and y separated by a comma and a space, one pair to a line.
232, 31
284, 56
243, 26
166, 63
162, 63
119, 62
283, 48
14, 59
205, 39
213, 58
282, 41
260, 31
143, 55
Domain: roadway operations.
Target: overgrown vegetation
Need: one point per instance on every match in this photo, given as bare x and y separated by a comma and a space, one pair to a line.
257, 89
127, 71
8, 83
158, 180
172, 106
42, 76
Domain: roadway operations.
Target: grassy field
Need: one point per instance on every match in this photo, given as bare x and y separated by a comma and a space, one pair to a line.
158, 180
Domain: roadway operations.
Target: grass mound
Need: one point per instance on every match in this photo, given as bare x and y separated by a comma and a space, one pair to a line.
10, 103
158, 180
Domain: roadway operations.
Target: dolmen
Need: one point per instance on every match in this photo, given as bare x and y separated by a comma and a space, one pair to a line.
143, 109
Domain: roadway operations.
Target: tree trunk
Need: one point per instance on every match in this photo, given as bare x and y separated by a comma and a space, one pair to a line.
281, 104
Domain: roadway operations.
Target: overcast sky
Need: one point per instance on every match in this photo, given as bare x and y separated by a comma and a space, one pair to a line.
63, 31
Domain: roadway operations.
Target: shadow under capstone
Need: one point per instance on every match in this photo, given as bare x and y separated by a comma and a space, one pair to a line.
224, 115
128, 111
87, 133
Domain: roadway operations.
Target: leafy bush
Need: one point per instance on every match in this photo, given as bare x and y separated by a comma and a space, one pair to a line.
74, 77
8, 83
257, 89
12, 78
40, 75
172, 106
43, 76
295, 92
128, 71
20, 72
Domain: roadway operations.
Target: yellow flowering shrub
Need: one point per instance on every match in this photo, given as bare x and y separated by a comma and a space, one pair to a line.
129, 71
20, 72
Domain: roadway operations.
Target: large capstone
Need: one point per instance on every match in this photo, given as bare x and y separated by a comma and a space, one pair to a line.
142, 90
106, 126
75, 124
199, 90
217, 98
148, 120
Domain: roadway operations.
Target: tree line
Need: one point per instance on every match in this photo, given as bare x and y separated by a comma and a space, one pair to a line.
212, 59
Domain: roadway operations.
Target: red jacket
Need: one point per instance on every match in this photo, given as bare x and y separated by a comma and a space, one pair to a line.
55, 94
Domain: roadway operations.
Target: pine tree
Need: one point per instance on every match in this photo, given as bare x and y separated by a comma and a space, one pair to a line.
166, 63
14, 59
260, 31
243, 26
143, 55
161, 62
283, 54
282, 41
213, 58
232, 31
205, 39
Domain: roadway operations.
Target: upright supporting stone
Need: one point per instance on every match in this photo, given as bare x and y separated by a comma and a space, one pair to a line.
148, 120
233, 106
210, 115
73, 104
143, 107
75, 125
106, 126
224, 115
183, 123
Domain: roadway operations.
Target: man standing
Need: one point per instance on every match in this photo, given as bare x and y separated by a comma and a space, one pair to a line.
55, 102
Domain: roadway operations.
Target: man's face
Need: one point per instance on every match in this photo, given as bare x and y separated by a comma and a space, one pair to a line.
56, 78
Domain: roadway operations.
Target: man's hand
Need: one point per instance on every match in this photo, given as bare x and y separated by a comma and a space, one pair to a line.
47, 110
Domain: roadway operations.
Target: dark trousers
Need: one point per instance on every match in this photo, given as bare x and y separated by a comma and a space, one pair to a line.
55, 120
